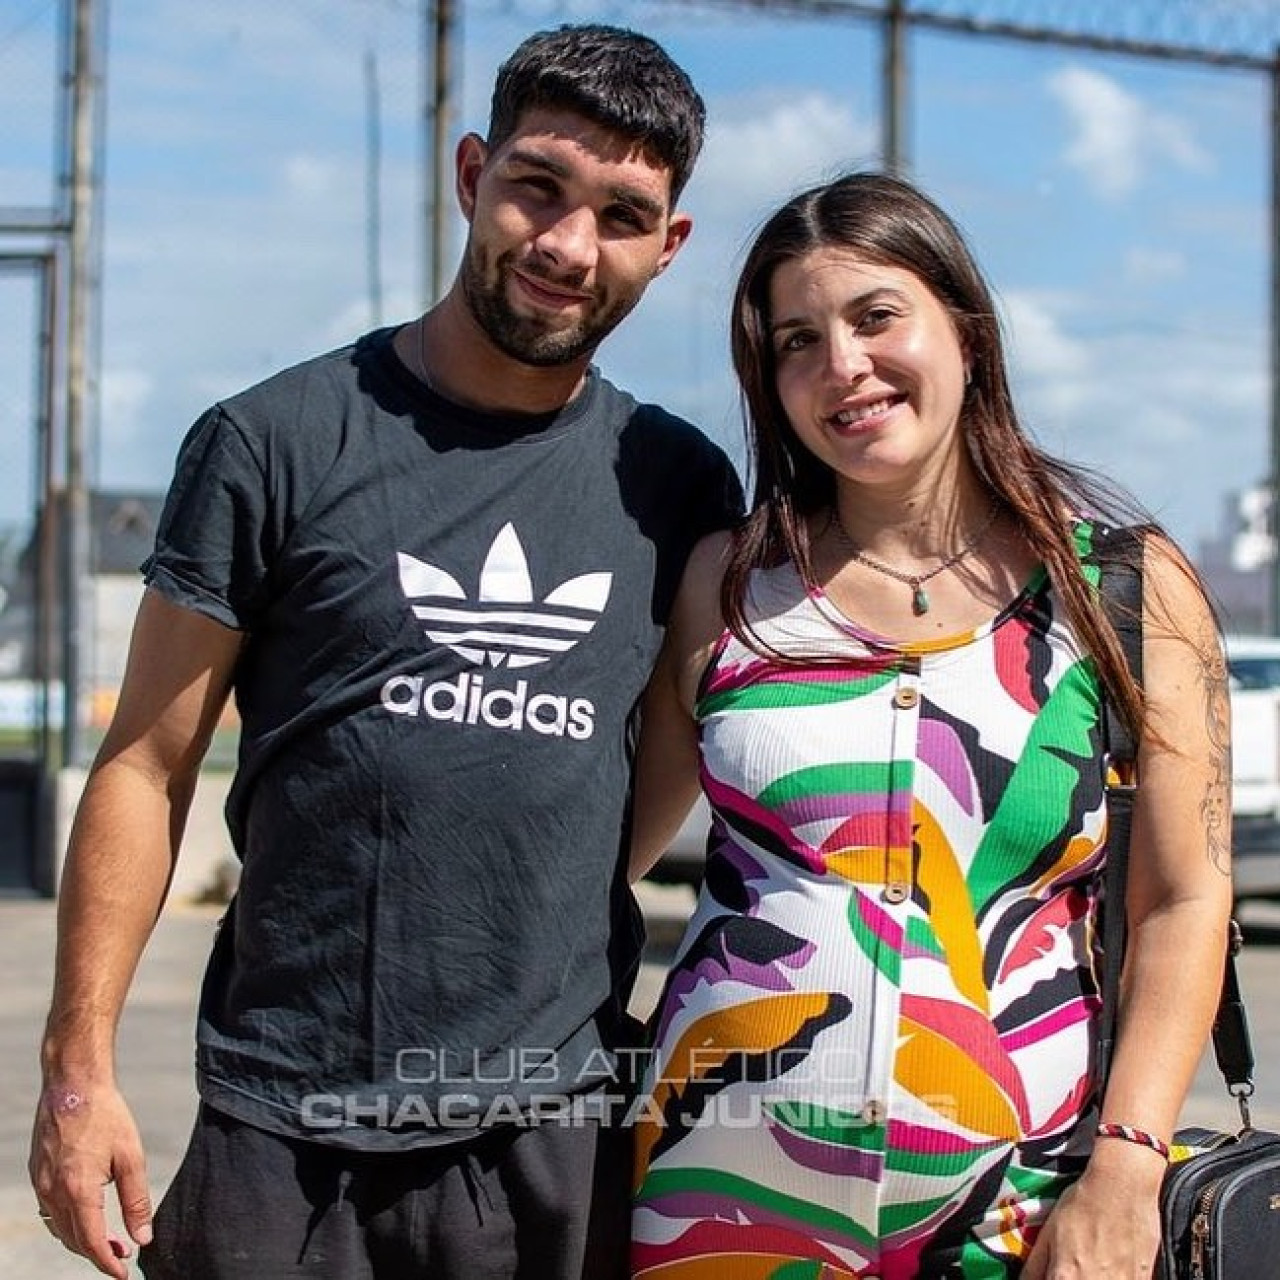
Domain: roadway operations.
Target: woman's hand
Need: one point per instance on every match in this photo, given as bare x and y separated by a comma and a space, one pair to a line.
1106, 1226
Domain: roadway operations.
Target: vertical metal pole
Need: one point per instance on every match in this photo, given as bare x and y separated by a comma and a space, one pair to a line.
426, 41
80, 285
893, 100
1273, 601
373, 186
46, 530
44, 854
440, 125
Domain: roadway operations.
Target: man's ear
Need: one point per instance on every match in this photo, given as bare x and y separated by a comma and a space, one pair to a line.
679, 229
468, 163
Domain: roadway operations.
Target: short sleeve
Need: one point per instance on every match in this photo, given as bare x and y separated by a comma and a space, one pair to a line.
725, 503
211, 553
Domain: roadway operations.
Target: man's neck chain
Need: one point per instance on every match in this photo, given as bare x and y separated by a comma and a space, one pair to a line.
424, 375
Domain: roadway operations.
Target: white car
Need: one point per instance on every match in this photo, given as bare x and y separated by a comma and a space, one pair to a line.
1254, 663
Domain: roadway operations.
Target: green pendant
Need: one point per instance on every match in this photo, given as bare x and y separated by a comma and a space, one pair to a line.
919, 601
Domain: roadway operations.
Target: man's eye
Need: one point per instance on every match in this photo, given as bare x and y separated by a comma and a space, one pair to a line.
624, 216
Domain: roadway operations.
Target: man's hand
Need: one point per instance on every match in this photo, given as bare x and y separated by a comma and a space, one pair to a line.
82, 1141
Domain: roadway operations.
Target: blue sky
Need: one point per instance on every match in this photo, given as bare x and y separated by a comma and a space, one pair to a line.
1119, 208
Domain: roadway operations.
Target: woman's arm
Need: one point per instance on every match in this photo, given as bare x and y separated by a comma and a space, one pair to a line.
1178, 904
1179, 882
666, 783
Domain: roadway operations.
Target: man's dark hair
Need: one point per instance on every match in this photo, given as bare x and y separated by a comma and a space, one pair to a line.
618, 78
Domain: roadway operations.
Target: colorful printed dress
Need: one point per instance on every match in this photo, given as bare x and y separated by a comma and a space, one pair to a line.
873, 1052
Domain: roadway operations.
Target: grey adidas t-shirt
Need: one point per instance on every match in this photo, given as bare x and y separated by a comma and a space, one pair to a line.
450, 620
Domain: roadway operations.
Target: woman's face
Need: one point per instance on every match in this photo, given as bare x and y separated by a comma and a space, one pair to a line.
870, 368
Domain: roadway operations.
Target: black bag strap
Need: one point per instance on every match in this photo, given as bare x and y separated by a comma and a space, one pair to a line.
1232, 1045
1120, 588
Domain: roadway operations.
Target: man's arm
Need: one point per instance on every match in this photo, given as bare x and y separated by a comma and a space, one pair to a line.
666, 782
666, 767
119, 864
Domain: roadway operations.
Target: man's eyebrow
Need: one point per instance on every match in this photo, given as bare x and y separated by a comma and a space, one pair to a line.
536, 160
639, 200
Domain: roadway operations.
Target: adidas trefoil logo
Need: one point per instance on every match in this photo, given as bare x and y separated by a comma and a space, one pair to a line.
504, 625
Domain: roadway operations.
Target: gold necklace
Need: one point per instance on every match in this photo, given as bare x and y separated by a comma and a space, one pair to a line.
916, 581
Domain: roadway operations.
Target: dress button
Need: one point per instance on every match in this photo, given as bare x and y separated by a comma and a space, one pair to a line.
873, 1111
906, 697
896, 892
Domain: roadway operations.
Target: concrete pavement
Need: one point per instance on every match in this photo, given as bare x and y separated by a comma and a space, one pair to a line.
156, 1047
156, 1051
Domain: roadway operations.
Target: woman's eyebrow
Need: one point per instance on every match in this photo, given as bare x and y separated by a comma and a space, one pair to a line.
858, 300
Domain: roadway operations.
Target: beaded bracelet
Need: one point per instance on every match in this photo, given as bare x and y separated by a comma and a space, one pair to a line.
1141, 1137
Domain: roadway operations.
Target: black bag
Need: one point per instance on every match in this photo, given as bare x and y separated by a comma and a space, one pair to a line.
1220, 1208
1220, 1199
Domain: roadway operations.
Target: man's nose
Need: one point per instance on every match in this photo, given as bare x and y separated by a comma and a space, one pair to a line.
571, 241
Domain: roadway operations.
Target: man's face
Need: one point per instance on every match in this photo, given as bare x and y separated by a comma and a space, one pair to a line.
569, 224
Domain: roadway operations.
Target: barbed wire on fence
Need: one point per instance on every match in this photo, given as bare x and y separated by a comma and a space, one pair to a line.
1247, 29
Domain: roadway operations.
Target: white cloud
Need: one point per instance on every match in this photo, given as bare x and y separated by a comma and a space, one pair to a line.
1144, 265
1116, 137
1038, 346
1175, 416
339, 328
767, 145
123, 398
311, 177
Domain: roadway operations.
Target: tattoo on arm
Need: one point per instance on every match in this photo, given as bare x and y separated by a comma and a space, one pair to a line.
1216, 806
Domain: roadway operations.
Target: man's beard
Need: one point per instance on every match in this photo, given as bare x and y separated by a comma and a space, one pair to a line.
531, 339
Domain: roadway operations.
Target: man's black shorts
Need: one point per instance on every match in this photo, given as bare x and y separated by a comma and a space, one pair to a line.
546, 1202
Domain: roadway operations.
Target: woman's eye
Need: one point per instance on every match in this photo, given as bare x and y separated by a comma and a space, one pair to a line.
794, 342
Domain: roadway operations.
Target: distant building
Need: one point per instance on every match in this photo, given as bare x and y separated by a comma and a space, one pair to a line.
1239, 564
36, 808
122, 528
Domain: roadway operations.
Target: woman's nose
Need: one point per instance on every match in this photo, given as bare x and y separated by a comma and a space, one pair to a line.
848, 358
